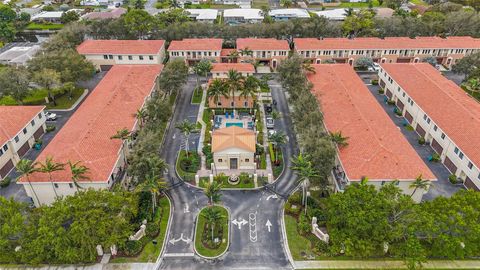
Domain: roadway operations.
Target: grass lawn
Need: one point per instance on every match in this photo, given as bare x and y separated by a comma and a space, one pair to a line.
65, 102
419, 2
37, 97
225, 184
260, 3
296, 242
357, 5
150, 252
207, 115
201, 234
39, 26
197, 96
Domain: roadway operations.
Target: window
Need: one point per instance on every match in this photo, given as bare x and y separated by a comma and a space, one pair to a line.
17, 139
130, 57
105, 56
55, 185
219, 104
110, 56
456, 150
25, 131
470, 165
232, 104
140, 57
403, 95
383, 183
428, 120
424, 116
120, 57
150, 57
220, 160
247, 160
32, 123
1, 152
443, 136
461, 155
5, 147
435, 127
70, 185
245, 104
40, 116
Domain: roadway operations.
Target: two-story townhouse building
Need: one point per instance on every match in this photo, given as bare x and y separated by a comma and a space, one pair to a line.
235, 16
106, 53
285, 14
441, 112
220, 70
192, 50
388, 50
86, 137
376, 148
268, 51
20, 126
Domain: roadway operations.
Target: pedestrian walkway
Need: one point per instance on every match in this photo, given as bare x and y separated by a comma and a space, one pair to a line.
383, 264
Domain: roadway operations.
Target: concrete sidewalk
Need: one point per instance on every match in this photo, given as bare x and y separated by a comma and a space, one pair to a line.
358, 264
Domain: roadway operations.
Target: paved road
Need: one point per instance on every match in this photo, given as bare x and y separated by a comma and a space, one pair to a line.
253, 244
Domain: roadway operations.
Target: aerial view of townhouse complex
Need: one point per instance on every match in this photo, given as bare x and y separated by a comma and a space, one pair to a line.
239, 134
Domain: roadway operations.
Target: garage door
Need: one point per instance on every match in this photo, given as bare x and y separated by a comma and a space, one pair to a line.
38, 133
105, 67
450, 166
409, 117
437, 147
470, 185
6, 169
400, 105
23, 149
389, 94
420, 131
404, 60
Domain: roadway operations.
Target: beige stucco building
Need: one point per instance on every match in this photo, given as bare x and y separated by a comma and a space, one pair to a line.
233, 148
268, 51
192, 50
20, 126
106, 53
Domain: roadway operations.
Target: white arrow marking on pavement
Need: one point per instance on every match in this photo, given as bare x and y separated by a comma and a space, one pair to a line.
186, 240
269, 225
173, 136
185, 209
239, 223
274, 196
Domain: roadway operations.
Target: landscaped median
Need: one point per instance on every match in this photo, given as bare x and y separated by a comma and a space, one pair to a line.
212, 232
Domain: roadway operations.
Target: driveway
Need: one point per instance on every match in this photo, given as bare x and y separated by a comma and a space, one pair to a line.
253, 244
442, 187
17, 191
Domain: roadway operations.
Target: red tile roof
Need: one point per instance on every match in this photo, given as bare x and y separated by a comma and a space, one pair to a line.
120, 46
387, 43
14, 118
226, 52
233, 137
240, 67
376, 148
196, 44
262, 44
452, 110
109, 108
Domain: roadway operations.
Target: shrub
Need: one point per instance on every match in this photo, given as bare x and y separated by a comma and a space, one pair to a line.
272, 153
5, 182
453, 179
374, 82
435, 157
381, 91
50, 128
321, 246
391, 102
398, 112
304, 226
152, 229
421, 140
132, 248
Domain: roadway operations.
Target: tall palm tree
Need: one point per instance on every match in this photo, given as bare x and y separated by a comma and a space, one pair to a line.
213, 217
186, 127
277, 139
124, 135
246, 52
234, 83
217, 89
308, 68
305, 171
49, 166
250, 88
79, 172
25, 168
472, 86
420, 183
202, 69
212, 191
155, 186
232, 55
339, 139
141, 116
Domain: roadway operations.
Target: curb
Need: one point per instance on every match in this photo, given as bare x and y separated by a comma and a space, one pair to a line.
286, 247
229, 234
167, 234
74, 106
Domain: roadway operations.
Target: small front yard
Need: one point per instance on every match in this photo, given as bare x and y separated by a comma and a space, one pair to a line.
187, 166
211, 235
197, 95
37, 97
41, 26
245, 181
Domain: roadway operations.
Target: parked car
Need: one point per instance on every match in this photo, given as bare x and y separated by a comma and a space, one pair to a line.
270, 122
376, 66
51, 116
268, 108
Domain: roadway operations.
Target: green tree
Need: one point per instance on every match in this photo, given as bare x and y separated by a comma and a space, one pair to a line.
186, 127
201, 69
277, 139
364, 62
124, 135
15, 82
155, 186
246, 52
212, 217
360, 23
25, 168
139, 4
13, 225
173, 76
79, 173
305, 172
47, 78
138, 22
339, 139
69, 16
472, 86
141, 115
7, 32
395, 4
286, 3
212, 191
172, 16
49, 167
217, 89
419, 183
234, 83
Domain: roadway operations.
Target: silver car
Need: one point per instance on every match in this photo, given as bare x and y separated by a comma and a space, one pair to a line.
270, 122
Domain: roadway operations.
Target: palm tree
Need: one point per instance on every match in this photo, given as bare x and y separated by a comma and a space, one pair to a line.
49, 167
141, 116
217, 89
234, 83
420, 183
26, 167
276, 114
155, 186
212, 191
265, 10
124, 135
212, 216
304, 170
472, 86
250, 88
79, 172
202, 69
232, 55
337, 138
286, 3
308, 68
186, 127
349, 11
277, 139
246, 52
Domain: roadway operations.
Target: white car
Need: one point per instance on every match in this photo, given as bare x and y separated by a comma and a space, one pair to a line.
376, 66
51, 116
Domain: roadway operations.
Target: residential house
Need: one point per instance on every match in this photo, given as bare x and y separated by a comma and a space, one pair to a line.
286, 14
240, 3
337, 14
376, 149
267, 51
18, 55
106, 53
236, 16
203, 15
47, 17
220, 70
233, 148
103, 15
20, 126
439, 111
86, 137
192, 50
388, 50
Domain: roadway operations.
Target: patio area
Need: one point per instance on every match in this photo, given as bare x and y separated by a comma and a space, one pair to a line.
243, 120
